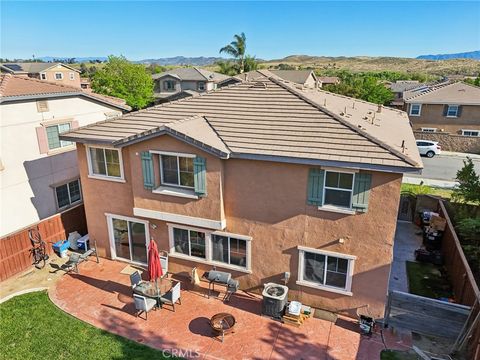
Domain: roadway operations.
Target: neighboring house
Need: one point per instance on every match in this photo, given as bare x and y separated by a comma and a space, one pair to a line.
258, 179
85, 83
329, 80
453, 108
39, 175
185, 82
398, 88
306, 78
53, 72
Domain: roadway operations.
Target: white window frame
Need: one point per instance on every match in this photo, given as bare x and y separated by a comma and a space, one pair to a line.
69, 143
419, 110
67, 183
456, 111
204, 86
301, 261
111, 238
43, 76
178, 156
427, 129
208, 248
105, 177
72, 76
471, 130
61, 76
325, 187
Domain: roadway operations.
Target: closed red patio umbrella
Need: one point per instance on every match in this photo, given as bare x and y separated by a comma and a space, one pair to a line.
154, 267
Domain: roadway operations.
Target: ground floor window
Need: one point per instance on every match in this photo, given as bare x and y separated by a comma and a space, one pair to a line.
326, 270
68, 194
213, 247
470, 132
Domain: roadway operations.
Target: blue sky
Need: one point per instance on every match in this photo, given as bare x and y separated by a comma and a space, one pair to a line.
142, 30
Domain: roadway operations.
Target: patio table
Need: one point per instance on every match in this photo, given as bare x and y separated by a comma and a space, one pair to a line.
148, 289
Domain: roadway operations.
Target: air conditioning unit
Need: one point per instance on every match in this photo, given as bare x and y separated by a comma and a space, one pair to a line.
275, 298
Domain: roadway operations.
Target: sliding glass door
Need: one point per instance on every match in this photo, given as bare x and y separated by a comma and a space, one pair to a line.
129, 239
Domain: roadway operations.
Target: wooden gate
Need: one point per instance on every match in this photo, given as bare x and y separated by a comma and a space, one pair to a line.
406, 207
425, 316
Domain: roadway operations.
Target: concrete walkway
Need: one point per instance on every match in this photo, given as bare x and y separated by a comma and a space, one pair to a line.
406, 242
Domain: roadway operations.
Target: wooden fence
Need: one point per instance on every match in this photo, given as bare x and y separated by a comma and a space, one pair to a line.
15, 255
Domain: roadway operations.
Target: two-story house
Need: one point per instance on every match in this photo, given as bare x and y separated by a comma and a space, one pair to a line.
452, 108
38, 172
259, 178
398, 88
185, 82
306, 78
53, 72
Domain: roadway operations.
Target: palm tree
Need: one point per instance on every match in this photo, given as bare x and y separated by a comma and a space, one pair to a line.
237, 49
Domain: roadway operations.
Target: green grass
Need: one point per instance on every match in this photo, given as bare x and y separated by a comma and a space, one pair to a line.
426, 190
32, 327
397, 355
427, 280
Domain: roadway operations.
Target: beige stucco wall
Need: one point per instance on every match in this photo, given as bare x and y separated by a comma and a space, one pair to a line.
267, 201
432, 117
25, 182
50, 74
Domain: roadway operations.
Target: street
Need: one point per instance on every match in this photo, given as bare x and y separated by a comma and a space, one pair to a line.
443, 167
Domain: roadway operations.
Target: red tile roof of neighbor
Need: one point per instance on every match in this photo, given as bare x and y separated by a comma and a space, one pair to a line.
268, 118
14, 87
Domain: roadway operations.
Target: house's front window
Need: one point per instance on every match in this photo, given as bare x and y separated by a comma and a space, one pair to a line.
58, 76
68, 194
325, 270
105, 162
429, 129
201, 86
229, 250
415, 109
169, 85
452, 111
189, 242
338, 189
72, 76
43, 76
470, 132
53, 133
177, 171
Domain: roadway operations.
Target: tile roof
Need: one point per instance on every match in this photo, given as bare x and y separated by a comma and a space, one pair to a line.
32, 68
329, 79
458, 93
271, 118
401, 86
296, 76
13, 87
192, 74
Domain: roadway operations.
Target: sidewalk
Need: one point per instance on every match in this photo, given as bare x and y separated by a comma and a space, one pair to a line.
458, 154
444, 184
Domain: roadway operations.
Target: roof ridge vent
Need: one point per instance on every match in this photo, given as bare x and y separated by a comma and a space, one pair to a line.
259, 84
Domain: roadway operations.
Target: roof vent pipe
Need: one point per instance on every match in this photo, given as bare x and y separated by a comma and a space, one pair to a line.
379, 108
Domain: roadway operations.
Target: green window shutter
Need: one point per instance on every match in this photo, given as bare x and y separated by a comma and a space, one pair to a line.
147, 170
361, 191
200, 176
315, 187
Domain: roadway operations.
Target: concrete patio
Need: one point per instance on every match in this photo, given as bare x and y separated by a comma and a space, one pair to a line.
101, 296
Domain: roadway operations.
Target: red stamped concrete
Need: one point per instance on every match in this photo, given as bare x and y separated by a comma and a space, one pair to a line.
101, 296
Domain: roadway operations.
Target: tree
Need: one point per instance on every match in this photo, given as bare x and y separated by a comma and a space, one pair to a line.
227, 68
468, 189
250, 63
121, 78
237, 49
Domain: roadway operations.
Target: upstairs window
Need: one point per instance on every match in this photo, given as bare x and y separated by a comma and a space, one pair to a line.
72, 76
415, 109
43, 76
177, 171
105, 162
452, 111
58, 76
338, 189
169, 85
53, 133
201, 86
68, 194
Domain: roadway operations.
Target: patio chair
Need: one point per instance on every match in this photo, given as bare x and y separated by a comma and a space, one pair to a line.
135, 279
172, 296
143, 304
163, 255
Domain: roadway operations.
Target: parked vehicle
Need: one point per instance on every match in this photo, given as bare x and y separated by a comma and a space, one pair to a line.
428, 148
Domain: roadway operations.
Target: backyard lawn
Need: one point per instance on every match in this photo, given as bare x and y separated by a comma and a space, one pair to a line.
31, 327
398, 355
427, 280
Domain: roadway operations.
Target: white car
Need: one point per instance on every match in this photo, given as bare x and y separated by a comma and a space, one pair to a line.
428, 148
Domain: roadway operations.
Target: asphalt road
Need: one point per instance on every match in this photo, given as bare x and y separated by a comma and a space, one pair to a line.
442, 167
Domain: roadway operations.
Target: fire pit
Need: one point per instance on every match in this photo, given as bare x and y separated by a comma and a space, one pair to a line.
222, 324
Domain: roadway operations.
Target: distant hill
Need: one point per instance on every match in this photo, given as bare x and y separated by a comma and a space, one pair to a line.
182, 60
77, 59
465, 55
